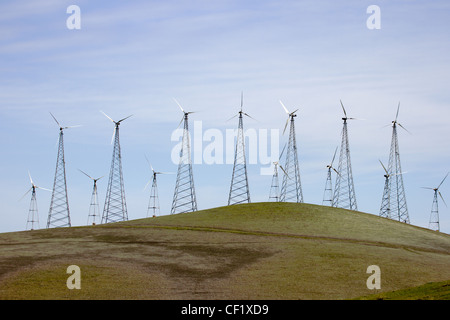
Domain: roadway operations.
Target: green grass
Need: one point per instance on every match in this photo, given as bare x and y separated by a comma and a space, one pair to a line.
252, 251
429, 291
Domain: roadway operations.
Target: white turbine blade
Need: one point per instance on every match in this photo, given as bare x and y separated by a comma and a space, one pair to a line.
285, 126
345, 113
26, 193
334, 156
178, 104
293, 112
232, 117
180, 122
44, 189
398, 174
282, 151
85, 174
149, 163
442, 198
114, 133
284, 172
107, 116
124, 118
398, 108
249, 116
29, 175
427, 188
55, 119
147, 184
242, 99
383, 166
442, 181
403, 128
73, 126
336, 171
284, 107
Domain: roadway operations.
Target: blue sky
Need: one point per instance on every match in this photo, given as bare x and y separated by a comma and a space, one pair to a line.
133, 57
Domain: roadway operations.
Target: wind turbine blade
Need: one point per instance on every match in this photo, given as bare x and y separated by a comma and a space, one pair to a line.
31, 180
73, 126
335, 151
149, 163
232, 117
25, 194
383, 167
147, 184
345, 113
398, 108
166, 172
427, 188
242, 99
442, 181
114, 133
249, 116
107, 116
180, 122
294, 111
85, 174
403, 128
55, 119
336, 171
287, 121
284, 171
442, 198
281, 154
285, 109
44, 189
178, 104
124, 118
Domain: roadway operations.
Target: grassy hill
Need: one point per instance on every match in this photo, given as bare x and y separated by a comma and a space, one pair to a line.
251, 251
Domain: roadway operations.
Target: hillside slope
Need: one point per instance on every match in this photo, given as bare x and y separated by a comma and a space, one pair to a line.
251, 251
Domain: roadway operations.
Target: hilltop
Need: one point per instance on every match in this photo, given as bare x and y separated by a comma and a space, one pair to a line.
250, 251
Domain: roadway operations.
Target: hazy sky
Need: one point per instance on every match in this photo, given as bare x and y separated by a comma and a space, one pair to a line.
133, 57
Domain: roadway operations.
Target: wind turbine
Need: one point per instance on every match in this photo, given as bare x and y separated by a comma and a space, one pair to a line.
33, 215
397, 206
239, 189
59, 213
184, 199
434, 218
386, 203
94, 209
344, 192
274, 194
115, 208
328, 193
153, 204
291, 188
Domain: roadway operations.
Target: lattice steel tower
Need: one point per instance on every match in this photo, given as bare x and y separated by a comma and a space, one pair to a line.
33, 214
434, 217
94, 209
239, 189
394, 200
385, 210
328, 193
59, 213
184, 199
115, 208
153, 204
344, 192
274, 194
291, 188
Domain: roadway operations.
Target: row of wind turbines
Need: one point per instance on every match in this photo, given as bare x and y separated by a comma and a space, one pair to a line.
184, 200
